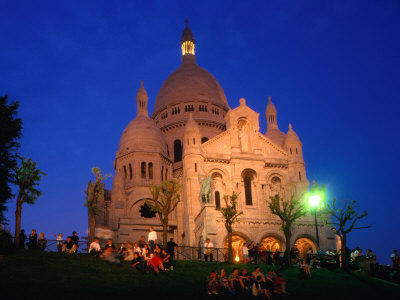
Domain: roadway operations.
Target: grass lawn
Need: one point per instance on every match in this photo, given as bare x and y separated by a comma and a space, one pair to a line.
35, 275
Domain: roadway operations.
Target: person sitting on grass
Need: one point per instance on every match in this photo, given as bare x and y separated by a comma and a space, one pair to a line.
146, 255
278, 282
212, 284
156, 262
166, 259
69, 246
224, 282
137, 262
236, 282
246, 279
137, 249
257, 288
129, 252
157, 250
110, 256
304, 270
42, 242
94, 248
109, 245
75, 239
257, 273
121, 251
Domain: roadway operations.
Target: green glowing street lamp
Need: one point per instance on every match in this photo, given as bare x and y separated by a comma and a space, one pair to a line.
314, 201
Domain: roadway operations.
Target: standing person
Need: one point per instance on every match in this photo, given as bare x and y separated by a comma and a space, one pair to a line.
32, 244
171, 249
75, 239
42, 242
22, 239
395, 259
60, 241
245, 251
208, 246
152, 239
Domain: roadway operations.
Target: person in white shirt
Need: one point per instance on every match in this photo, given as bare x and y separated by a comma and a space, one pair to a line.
60, 241
208, 246
152, 239
94, 248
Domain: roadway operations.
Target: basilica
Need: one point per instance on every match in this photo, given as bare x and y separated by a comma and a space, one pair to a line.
192, 135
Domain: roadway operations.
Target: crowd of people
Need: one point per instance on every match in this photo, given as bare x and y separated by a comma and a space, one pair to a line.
144, 255
239, 282
32, 242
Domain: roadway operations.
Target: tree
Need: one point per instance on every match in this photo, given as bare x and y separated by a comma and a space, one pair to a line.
10, 133
164, 200
345, 222
230, 214
288, 211
27, 178
94, 192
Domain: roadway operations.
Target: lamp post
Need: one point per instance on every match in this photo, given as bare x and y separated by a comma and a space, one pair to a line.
314, 202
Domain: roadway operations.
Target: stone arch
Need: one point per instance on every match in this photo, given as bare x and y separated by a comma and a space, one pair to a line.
303, 242
238, 239
273, 240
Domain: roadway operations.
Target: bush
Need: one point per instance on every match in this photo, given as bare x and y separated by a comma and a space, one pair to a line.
6, 244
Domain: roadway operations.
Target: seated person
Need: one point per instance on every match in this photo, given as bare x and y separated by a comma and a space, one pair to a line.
137, 249
245, 278
42, 242
235, 281
109, 245
137, 262
94, 248
212, 284
129, 252
121, 251
304, 270
166, 259
278, 282
110, 256
142, 241
157, 249
257, 288
257, 273
224, 282
69, 246
156, 262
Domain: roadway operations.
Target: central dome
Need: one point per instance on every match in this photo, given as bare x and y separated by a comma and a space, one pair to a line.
190, 83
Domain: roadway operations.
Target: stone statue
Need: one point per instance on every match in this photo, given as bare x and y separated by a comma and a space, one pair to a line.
243, 137
205, 189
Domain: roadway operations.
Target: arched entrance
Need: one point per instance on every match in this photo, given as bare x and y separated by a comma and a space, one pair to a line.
303, 244
272, 243
237, 245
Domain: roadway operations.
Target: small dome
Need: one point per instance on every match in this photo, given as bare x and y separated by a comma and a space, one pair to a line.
276, 136
189, 83
142, 134
292, 137
270, 107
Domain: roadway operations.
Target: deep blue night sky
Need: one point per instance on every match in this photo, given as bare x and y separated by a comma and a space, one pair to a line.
332, 69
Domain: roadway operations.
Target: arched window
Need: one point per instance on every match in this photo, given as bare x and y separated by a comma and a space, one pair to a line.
125, 172
217, 199
130, 171
166, 173
195, 167
204, 139
150, 170
247, 190
162, 173
143, 170
177, 150
300, 176
297, 151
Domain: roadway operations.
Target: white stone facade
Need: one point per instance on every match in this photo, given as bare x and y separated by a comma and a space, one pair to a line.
193, 133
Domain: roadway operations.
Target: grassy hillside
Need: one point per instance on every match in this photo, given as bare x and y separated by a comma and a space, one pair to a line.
36, 274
